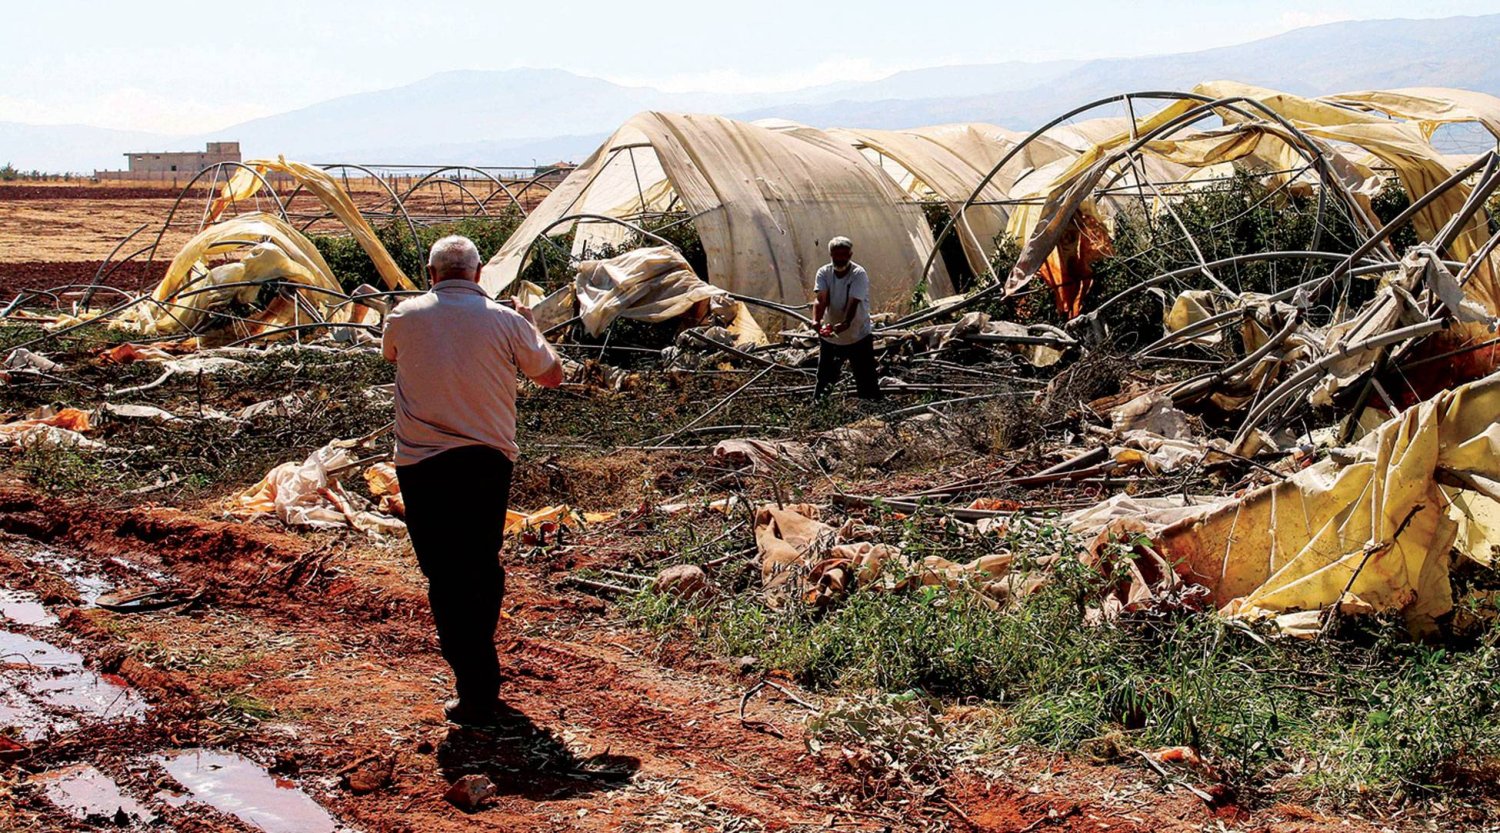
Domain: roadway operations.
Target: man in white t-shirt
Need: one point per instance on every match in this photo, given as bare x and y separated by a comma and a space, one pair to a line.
457, 354
842, 316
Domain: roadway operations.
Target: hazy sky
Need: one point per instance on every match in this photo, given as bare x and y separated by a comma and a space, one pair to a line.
180, 66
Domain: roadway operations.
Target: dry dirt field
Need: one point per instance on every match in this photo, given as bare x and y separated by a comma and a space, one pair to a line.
53, 234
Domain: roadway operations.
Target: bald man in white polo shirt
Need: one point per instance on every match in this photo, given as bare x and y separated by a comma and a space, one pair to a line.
457, 355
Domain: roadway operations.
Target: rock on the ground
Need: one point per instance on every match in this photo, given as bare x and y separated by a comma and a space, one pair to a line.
470, 792
684, 581
372, 775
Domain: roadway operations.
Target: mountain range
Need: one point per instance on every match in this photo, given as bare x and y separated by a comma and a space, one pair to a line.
527, 116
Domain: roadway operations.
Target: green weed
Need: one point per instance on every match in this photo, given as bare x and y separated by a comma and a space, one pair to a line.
1366, 711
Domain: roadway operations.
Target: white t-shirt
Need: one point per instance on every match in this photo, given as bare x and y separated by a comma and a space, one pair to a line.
457, 354
852, 284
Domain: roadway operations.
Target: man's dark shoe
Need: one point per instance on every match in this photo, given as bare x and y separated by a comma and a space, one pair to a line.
470, 714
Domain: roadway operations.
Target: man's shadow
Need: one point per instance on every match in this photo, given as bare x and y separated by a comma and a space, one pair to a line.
524, 759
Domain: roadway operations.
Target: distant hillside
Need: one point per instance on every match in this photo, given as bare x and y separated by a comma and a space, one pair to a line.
74, 148
466, 107
1336, 57
517, 116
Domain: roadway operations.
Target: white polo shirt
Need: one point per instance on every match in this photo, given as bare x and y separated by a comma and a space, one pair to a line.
457, 354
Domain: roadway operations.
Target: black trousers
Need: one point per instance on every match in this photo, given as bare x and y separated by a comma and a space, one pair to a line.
455, 515
861, 358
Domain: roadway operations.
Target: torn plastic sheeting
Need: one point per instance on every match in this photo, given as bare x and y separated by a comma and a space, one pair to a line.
1151, 411
1395, 305
822, 564
129, 352
384, 485
207, 365
309, 494
24, 359
764, 455
50, 429
1403, 146
146, 412
243, 184
980, 323
1295, 545
560, 515
1190, 307
652, 284
1429, 107
798, 552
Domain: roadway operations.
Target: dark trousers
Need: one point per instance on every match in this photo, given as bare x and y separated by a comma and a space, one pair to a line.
861, 358
455, 515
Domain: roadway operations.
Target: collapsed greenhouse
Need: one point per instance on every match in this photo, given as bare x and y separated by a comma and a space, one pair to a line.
1321, 335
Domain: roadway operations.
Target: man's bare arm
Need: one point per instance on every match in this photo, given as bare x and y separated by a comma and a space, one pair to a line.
820, 306
849, 310
553, 377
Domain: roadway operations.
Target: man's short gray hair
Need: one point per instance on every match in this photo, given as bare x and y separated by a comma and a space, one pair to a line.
841, 242
454, 255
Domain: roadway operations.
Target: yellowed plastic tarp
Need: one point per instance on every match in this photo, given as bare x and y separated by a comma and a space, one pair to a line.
1067, 188
1402, 145
244, 183
1375, 514
1429, 107
282, 252
764, 202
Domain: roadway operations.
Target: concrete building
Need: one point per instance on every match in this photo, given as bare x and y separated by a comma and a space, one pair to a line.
173, 165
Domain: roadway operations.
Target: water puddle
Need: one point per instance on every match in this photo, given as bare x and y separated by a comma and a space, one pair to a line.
88, 584
237, 786
45, 689
88, 794
99, 696
16, 649
24, 608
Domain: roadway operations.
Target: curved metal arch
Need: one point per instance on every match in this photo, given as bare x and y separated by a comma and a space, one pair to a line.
1309, 150
455, 183
216, 169
483, 204
536, 180
89, 295
126, 259
395, 199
